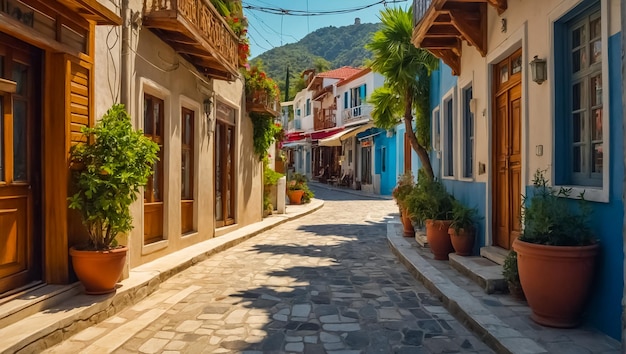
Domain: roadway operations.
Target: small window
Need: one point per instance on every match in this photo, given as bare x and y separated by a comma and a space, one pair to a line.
580, 115
308, 106
448, 137
383, 159
436, 127
468, 134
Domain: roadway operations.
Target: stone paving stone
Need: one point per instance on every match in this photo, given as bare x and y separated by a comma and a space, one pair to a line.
325, 283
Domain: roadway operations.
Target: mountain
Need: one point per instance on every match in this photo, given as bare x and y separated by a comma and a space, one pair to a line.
340, 46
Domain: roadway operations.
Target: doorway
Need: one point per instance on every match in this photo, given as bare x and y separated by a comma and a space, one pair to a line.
20, 164
507, 151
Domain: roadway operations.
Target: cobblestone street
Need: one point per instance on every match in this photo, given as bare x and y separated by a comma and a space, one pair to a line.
325, 283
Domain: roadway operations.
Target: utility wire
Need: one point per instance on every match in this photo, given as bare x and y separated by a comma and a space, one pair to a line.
282, 11
270, 27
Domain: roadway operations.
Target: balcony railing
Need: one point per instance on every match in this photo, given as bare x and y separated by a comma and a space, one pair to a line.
356, 114
259, 101
295, 124
324, 119
197, 31
419, 9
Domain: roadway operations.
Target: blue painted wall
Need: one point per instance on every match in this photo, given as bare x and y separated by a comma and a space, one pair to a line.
473, 195
604, 310
388, 178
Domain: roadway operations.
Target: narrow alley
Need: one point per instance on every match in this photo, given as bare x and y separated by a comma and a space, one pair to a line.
324, 283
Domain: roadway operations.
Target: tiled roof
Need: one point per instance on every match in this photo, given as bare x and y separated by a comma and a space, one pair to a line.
356, 75
342, 73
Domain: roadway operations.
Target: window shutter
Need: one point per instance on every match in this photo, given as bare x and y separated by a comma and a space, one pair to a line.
364, 91
345, 100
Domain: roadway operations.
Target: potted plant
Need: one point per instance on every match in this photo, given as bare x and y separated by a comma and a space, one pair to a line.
431, 203
400, 194
511, 275
111, 168
260, 88
555, 254
297, 189
462, 229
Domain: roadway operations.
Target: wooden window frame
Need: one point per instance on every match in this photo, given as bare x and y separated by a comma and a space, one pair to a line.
152, 204
187, 147
447, 148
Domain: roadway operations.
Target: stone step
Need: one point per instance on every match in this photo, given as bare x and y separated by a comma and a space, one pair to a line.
494, 254
35, 299
485, 273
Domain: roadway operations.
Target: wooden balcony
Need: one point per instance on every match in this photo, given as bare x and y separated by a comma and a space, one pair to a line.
441, 26
197, 32
324, 119
260, 102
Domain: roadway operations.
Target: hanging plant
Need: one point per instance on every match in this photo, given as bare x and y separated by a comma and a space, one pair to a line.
264, 132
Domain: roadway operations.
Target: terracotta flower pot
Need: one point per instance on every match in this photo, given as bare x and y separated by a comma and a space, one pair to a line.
438, 238
556, 280
462, 242
407, 224
295, 196
99, 271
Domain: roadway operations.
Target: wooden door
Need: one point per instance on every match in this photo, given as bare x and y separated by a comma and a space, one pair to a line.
507, 152
225, 166
20, 159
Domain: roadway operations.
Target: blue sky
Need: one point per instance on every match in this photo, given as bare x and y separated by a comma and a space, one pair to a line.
265, 31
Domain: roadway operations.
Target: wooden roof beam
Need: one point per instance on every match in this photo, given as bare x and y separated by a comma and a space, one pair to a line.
500, 5
452, 44
450, 58
475, 33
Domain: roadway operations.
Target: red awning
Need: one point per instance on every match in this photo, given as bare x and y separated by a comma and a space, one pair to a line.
293, 136
325, 134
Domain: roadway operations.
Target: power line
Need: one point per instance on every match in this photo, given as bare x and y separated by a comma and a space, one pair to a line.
259, 33
282, 11
270, 27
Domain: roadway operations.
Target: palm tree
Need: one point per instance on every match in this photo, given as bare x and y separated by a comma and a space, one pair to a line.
407, 81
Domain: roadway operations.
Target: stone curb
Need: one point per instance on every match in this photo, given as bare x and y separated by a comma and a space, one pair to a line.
51, 326
349, 191
472, 313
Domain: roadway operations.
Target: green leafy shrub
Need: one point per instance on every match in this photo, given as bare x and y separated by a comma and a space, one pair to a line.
429, 200
403, 189
299, 182
463, 217
110, 171
550, 218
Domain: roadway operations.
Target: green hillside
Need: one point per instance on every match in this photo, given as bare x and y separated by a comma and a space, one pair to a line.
340, 46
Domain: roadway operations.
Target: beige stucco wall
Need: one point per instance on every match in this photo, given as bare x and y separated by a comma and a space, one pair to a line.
155, 68
532, 33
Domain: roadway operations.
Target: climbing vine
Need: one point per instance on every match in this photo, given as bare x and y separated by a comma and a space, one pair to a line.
265, 132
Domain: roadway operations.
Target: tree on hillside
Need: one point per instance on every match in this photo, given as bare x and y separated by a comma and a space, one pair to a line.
407, 81
320, 65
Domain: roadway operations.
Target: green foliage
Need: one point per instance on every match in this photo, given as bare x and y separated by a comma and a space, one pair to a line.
406, 69
509, 269
264, 132
112, 169
463, 217
270, 177
551, 219
429, 200
403, 189
299, 181
341, 46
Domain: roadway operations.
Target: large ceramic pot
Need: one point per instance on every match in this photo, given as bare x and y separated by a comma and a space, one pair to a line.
438, 238
407, 224
99, 271
556, 280
462, 241
295, 196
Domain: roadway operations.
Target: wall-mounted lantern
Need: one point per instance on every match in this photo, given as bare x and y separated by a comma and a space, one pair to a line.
538, 70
